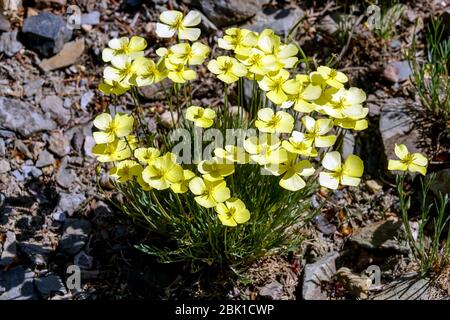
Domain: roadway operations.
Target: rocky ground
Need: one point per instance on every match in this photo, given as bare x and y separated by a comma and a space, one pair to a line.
52, 216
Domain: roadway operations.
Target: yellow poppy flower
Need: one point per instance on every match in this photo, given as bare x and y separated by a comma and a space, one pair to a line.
301, 92
268, 121
268, 41
121, 71
184, 53
163, 172
117, 150
148, 72
292, 172
113, 87
173, 22
239, 40
215, 169
332, 77
227, 69
258, 63
348, 174
182, 186
232, 212
346, 104
201, 117
265, 149
232, 154
146, 155
298, 144
133, 48
273, 83
125, 170
179, 73
413, 162
119, 126
316, 130
209, 193
286, 56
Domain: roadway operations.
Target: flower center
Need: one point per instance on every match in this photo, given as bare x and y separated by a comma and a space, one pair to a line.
408, 159
277, 84
338, 173
333, 74
112, 127
231, 212
199, 114
227, 67
178, 24
274, 121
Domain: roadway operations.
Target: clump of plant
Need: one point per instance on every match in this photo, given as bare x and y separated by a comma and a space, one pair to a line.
386, 20
431, 256
431, 75
227, 184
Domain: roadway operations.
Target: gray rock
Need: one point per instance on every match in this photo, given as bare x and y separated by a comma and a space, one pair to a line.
442, 182
20, 146
228, 12
83, 260
18, 175
4, 166
408, 287
2, 148
45, 159
2, 202
21, 117
316, 273
9, 252
33, 87
279, 20
86, 99
36, 172
75, 235
59, 216
37, 253
91, 18
69, 203
324, 225
7, 134
46, 33
53, 106
328, 25
395, 44
273, 290
49, 285
65, 176
17, 284
379, 236
78, 134
5, 25
89, 143
59, 144
9, 44
397, 71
